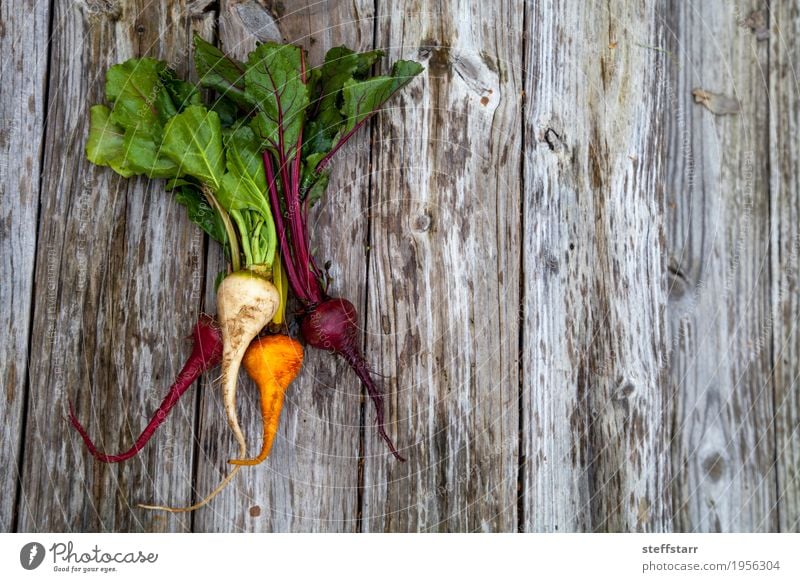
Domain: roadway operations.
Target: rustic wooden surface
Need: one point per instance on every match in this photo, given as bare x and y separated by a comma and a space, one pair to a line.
573, 242
23, 68
595, 447
784, 187
720, 245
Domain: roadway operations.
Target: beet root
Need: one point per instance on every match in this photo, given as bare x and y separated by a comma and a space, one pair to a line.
333, 326
206, 354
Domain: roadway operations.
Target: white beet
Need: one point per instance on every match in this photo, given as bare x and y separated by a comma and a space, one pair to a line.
246, 302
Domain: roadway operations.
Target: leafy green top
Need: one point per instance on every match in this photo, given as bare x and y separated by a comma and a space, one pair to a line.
268, 112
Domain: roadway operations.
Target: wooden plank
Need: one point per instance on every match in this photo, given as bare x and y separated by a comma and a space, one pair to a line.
784, 155
595, 440
310, 481
23, 67
718, 235
119, 277
444, 272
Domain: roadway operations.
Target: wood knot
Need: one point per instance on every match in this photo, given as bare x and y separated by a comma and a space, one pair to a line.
438, 56
108, 9
714, 466
422, 223
426, 48
553, 140
677, 281
626, 390
716, 103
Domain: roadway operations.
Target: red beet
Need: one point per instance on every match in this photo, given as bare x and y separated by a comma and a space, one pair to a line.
333, 326
206, 354
329, 323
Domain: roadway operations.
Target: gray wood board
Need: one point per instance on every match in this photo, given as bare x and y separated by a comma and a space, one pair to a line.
23, 68
719, 249
595, 438
444, 272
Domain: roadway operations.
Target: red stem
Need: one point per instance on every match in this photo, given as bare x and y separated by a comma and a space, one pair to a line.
302, 215
206, 354
286, 250
324, 161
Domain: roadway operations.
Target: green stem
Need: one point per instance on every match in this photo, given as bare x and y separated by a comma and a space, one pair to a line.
232, 240
258, 250
243, 232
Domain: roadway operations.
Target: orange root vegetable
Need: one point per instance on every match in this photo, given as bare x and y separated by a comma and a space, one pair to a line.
272, 362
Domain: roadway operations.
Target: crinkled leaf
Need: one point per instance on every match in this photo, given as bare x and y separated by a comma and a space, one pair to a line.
134, 87
105, 146
146, 93
181, 93
220, 72
341, 65
193, 141
200, 212
360, 100
273, 81
364, 98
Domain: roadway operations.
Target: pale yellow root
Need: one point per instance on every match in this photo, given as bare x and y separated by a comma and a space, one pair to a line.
199, 504
246, 302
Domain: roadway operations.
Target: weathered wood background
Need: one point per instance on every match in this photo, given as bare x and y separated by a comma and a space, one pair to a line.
573, 241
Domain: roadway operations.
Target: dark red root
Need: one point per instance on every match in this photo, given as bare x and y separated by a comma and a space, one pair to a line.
360, 367
206, 354
333, 326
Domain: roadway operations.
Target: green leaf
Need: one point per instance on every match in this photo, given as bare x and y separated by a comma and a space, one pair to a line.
220, 72
244, 185
193, 141
317, 189
181, 93
341, 65
144, 156
363, 98
200, 212
105, 146
273, 81
227, 111
133, 87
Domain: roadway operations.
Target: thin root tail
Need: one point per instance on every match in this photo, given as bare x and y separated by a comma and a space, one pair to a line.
199, 504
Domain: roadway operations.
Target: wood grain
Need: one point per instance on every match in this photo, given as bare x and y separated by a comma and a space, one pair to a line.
594, 399
718, 237
310, 480
444, 264
23, 68
119, 276
573, 242
784, 180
